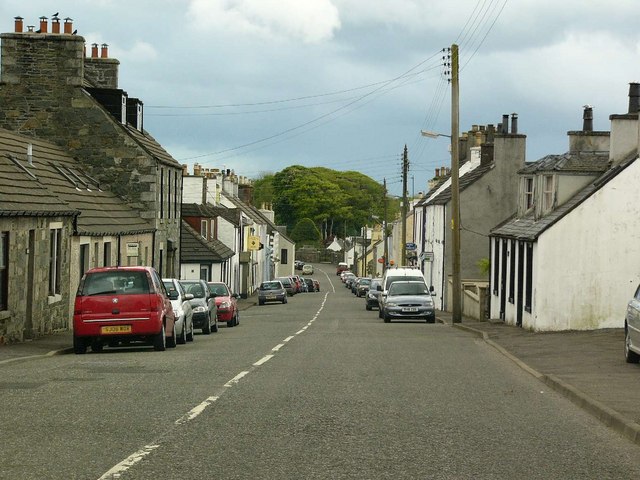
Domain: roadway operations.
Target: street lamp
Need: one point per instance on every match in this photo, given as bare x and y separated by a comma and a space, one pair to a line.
427, 133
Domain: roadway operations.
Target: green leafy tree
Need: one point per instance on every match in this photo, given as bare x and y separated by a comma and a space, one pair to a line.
305, 232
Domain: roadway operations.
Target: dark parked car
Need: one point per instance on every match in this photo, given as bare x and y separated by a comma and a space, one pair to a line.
362, 286
205, 314
371, 297
311, 286
122, 304
288, 284
272, 291
409, 300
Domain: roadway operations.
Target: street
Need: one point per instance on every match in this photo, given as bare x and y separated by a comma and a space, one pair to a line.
316, 388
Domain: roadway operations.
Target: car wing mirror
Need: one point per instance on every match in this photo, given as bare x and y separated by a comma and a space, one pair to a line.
188, 296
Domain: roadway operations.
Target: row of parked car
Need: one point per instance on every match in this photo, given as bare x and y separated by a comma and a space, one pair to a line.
402, 293
279, 289
127, 305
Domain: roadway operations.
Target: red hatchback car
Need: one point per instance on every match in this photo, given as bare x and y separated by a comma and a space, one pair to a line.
122, 304
226, 302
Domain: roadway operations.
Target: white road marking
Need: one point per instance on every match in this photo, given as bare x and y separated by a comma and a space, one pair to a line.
195, 411
128, 462
264, 359
277, 347
235, 379
288, 338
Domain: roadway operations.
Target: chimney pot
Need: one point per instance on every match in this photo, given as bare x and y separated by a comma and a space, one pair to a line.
30, 28
587, 119
68, 25
514, 123
634, 97
505, 123
43, 24
94, 50
19, 24
55, 25
104, 51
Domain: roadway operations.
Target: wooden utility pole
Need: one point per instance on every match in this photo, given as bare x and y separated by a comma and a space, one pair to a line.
384, 230
405, 170
455, 188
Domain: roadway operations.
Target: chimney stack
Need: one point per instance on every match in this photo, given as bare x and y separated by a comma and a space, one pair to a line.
43, 24
19, 24
514, 123
634, 97
587, 119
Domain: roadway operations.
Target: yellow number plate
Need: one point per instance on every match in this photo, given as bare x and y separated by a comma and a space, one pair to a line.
110, 330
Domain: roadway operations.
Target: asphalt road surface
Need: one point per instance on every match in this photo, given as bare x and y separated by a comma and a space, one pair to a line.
318, 388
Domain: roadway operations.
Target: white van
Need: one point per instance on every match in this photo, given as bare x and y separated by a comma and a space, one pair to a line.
400, 273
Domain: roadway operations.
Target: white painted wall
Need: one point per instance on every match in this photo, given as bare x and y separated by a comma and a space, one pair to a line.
434, 242
586, 266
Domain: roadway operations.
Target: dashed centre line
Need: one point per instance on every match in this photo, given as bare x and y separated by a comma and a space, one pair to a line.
118, 470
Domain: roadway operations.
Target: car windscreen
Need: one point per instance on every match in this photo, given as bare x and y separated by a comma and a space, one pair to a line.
403, 288
194, 289
390, 280
121, 283
219, 289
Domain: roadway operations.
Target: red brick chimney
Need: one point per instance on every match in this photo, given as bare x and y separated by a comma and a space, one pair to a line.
55, 25
43, 24
19, 24
94, 50
104, 51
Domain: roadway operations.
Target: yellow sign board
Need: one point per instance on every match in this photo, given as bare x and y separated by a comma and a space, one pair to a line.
253, 243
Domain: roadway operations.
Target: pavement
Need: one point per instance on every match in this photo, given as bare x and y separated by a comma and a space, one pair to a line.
587, 367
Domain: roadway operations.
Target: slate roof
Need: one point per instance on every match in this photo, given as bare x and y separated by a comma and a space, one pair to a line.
528, 228
56, 182
580, 162
464, 181
256, 215
147, 142
194, 248
232, 215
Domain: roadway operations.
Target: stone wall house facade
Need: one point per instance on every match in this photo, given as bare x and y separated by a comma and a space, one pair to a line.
50, 90
104, 231
569, 260
488, 187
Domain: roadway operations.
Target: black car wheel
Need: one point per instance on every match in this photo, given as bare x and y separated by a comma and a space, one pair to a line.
629, 355
214, 328
79, 345
206, 329
160, 340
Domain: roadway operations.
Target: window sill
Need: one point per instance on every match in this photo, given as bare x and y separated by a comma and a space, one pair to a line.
51, 299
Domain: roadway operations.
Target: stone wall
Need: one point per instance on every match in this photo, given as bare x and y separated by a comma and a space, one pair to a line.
49, 314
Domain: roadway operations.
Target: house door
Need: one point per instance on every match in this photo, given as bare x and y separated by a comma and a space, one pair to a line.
28, 324
520, 284
205, 273
503, 279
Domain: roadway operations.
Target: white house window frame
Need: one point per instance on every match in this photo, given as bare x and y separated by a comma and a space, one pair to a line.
528, 186
548, 192
55, 259
204, 231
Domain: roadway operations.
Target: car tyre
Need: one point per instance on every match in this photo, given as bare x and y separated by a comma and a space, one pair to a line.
160, 340
79, 345
190, 334
260, 302
182, 339
431, 319
207, 326
368, 307
379, 313
171, 341
97, 346
629, 355
284, 300
387, 318
214, 328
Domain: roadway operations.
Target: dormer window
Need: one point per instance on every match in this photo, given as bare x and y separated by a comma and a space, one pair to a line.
204, 229
547, 192
123, 112
528, 193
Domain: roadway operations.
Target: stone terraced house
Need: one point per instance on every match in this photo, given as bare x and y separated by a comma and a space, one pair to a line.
51, 90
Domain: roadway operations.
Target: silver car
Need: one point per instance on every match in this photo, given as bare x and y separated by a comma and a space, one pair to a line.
182, 308
408, 300
632, 329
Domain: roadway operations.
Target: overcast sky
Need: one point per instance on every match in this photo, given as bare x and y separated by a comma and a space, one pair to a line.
257, 85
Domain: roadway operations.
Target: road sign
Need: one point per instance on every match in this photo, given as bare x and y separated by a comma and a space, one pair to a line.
426, 257
411, 246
